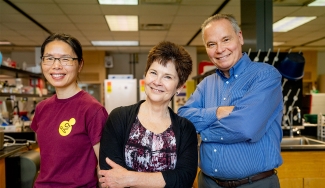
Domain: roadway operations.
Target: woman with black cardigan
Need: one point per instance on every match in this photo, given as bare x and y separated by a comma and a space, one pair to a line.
147, 144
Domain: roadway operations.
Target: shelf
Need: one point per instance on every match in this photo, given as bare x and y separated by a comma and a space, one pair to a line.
11, 72
22, 95
204, 75
19, 71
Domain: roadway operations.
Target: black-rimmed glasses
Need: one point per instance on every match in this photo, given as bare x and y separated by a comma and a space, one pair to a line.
64, 61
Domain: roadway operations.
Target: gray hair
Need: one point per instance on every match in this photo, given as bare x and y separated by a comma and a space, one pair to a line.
216, 17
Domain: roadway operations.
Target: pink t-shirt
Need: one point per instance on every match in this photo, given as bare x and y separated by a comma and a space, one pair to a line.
67, 130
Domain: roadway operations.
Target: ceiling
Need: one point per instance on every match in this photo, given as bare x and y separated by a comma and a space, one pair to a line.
84, 19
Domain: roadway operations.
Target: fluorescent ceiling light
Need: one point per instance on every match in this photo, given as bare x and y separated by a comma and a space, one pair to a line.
5, 43
115, 43
122, 23
160, 1
317, 3
278, 43
118, 2
289, 23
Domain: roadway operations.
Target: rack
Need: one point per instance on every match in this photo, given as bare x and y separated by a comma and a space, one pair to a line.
18, 73
22, 95
9, 73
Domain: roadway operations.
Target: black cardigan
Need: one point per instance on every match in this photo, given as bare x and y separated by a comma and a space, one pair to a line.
116, 133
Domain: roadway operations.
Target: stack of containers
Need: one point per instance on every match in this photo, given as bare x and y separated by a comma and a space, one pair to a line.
321, 125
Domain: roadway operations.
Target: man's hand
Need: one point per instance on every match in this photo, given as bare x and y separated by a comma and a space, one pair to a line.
224, 111
115, 177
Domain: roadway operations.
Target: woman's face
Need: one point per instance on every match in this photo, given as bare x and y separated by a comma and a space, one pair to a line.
58, 75
161, 82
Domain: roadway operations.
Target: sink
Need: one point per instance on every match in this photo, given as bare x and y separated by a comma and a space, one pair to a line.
301, 143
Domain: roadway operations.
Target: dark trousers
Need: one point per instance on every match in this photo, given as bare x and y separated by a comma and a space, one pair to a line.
269, 182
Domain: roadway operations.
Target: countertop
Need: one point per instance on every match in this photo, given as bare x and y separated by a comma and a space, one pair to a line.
21, 146
318, 147
11, 150
7, 151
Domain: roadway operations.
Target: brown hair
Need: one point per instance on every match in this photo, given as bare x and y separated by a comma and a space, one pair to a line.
165, 52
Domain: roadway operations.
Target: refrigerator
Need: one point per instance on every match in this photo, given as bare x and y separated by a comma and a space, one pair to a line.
119, 92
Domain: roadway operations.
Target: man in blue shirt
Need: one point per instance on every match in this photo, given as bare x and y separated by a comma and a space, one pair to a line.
237, 111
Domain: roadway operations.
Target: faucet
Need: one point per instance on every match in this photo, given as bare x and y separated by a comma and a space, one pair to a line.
291, 117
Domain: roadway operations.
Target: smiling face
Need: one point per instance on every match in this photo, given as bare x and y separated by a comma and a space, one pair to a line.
161, 82
223, 44
59, 76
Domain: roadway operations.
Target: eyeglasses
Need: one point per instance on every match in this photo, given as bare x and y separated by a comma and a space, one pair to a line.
64, 61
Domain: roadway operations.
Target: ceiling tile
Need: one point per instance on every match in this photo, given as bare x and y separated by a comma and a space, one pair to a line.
84, 9
84, 19
196, 10
21, 26
320, 43
151, 41
204, 2
158, 10
191, 28
197, 41
13, 18
156, 19
144, 34
195, 20
88, 19
98, 35
309, 11
39, 8
51, 18
92, 27
60, 26
76, 1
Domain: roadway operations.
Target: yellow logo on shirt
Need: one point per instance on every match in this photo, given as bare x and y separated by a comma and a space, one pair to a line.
66, 127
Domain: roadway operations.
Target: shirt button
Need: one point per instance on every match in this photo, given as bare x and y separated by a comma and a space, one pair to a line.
221, 138
236, 75
215, 150
205, 139
215, 170
227, 82
224, 99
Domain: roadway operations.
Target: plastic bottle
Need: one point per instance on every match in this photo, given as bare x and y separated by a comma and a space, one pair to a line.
3, 122
0, 58
4, 113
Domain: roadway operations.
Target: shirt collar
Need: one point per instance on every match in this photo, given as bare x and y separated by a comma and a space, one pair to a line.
238, 68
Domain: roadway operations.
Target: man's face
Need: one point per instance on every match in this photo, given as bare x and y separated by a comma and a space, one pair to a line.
223, 44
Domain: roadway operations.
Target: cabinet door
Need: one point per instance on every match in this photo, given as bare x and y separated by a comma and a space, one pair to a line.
2, 173
314, 182
291, 182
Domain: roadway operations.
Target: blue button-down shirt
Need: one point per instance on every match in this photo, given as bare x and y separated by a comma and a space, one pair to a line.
247, 141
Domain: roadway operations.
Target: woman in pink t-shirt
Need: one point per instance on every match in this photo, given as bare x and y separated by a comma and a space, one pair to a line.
68, 124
